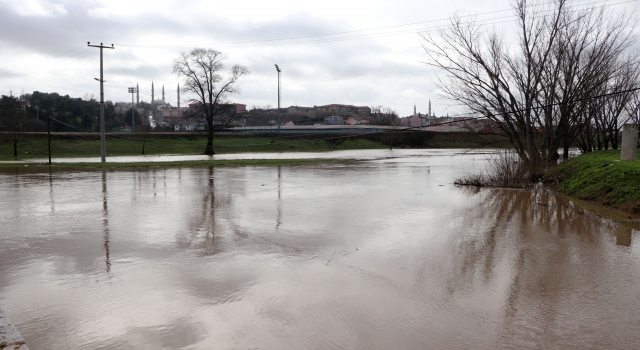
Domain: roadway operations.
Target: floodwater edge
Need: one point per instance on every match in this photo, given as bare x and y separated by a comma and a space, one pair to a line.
24, 167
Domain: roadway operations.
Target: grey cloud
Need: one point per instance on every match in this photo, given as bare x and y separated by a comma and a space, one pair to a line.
308, 69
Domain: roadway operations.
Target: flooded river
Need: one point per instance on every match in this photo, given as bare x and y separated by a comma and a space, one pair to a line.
380, 253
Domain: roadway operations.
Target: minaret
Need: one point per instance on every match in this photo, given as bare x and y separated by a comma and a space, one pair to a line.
162, 92
152, 92
137, 94
414, 109
178, 91
430, 108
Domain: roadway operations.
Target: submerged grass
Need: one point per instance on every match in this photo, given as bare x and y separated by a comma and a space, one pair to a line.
600, 177
505, 169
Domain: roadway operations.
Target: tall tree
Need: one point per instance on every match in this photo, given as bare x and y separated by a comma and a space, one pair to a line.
14, 118
201, 72
533, 90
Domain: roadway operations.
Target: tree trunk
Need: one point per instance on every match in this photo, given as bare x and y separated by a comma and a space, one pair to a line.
209, 149
15, 147
565, 152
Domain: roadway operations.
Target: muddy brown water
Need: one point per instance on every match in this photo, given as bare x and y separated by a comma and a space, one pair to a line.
383, 253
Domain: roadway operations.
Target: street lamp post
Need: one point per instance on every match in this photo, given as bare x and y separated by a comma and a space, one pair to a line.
279, 71
132, 91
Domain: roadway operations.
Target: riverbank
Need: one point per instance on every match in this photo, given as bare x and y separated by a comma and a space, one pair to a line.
72, 145
602, 178
37, 167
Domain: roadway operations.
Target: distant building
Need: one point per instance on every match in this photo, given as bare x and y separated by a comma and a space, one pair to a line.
189, 126
334, 120
345, 110
329, 110
357, 121
306, 111
173, 112
415, 121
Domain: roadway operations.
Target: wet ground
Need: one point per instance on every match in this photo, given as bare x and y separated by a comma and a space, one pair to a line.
383, 253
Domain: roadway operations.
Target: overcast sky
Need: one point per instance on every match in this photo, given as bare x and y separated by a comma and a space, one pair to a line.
349, 52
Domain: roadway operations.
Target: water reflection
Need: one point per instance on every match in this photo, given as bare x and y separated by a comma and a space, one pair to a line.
105, 222
554, 251
279, 219
51, 192
624, 232
374, 255
201, 232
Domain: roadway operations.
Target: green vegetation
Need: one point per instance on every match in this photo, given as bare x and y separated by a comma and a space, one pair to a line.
88, 145
82, 145
603, 178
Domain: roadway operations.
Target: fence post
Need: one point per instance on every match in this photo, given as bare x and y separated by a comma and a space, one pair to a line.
629, 142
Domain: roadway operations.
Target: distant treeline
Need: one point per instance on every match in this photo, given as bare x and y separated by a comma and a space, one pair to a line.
73, 113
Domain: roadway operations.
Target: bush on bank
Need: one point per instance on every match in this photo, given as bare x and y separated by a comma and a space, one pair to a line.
506, 169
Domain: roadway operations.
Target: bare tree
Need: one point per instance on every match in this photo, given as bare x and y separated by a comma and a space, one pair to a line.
201, 70
586, 58
383, 115
613, 115
486, 77
89, 97
535, 91
14, 118
633, 108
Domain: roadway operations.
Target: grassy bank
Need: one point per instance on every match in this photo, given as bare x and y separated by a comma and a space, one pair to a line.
601, 177
88, 145
69, 145
34, 168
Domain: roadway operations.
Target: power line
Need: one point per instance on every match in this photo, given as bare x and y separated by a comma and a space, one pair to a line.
286, 41
41, 67
47, 60
408, 73
275, 42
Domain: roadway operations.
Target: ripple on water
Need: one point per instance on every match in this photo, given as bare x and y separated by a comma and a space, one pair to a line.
209, 258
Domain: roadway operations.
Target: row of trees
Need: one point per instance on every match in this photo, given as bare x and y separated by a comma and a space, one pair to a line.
567, 78
30, 112
76, 114
13, 119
